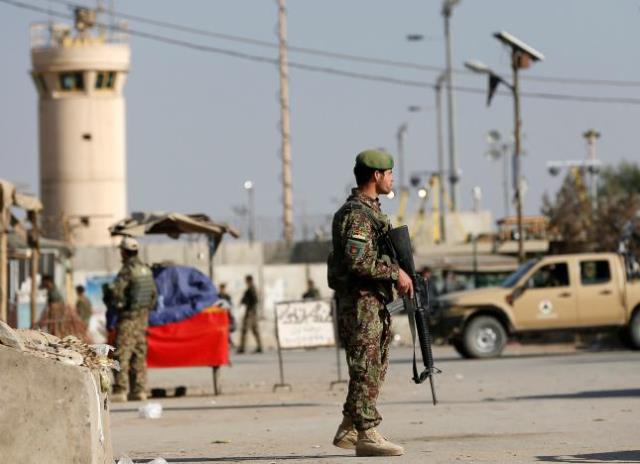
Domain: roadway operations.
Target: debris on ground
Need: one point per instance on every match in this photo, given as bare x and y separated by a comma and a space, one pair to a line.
150, 411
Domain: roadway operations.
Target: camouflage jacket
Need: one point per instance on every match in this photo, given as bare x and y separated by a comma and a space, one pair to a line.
134, 287
359, 260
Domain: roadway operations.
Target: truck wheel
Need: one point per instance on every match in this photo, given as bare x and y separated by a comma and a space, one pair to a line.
484, 337
634, 331
458, 345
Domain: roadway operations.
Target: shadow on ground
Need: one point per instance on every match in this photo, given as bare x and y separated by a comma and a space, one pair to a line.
237, 406
611, 456
292, 457
628, 393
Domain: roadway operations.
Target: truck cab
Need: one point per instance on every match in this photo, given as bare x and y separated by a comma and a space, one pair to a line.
577, 292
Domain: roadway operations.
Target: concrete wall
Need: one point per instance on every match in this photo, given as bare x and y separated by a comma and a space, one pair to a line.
51, 412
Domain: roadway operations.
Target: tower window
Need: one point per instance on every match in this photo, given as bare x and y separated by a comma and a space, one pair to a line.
105, 80
71, 81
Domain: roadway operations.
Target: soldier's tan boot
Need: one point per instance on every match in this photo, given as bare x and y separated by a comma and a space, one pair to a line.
120, 397
346, 436
371, 443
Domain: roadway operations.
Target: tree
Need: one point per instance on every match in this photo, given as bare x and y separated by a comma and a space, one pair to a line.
570, 215
574, 224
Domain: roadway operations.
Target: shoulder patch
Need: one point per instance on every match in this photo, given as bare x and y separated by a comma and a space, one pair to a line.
355, 248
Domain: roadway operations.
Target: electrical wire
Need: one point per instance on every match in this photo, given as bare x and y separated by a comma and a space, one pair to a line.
346, 56
323, 69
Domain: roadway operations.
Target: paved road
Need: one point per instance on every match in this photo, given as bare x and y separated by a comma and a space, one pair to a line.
541, 405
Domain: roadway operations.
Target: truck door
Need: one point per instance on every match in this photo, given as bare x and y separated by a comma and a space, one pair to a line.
599, 299
549, 299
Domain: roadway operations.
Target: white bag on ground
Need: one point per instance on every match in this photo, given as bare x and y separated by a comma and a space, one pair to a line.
150, 411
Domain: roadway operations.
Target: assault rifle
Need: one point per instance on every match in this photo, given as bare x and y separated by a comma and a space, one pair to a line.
418, 308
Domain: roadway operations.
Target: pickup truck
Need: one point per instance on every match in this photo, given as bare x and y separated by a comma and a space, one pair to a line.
575, 293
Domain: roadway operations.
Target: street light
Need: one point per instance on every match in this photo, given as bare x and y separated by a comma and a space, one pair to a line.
477, 66
447, 9
499, 151
521, 57
400, 135
437, 87
248, 186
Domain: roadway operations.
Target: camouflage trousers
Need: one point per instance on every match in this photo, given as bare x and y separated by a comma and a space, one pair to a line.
250, 322
131, 352
364, 327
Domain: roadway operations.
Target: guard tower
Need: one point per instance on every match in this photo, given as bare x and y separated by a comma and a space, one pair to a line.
79, 74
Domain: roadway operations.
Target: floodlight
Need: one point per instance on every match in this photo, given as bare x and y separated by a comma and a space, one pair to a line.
248, 185
493, 136
477, 66
391, 195
422, 193
519, 45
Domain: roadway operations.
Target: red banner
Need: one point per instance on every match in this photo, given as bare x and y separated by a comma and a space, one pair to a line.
202, 340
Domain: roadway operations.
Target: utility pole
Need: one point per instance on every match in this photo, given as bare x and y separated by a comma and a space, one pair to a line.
516, 58
447, 8
402, 131
287, 197
592, 136
441, 197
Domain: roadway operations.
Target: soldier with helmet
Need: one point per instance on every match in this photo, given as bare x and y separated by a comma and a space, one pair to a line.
362, 273
133, 294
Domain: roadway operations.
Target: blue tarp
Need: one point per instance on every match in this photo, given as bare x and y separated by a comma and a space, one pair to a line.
182, 293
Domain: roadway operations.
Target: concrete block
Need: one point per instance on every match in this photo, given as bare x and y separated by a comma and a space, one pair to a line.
51, 413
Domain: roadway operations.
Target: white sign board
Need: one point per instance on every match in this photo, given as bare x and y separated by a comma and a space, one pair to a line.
304, 324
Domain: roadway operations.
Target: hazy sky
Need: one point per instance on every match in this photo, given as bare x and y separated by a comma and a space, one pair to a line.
199, 124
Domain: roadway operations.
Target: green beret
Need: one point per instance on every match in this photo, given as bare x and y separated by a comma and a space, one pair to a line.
375, 159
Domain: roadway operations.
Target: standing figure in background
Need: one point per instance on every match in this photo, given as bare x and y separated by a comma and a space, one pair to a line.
250, 320
362, 273
53, 294
57, 318
83, 305
134, 294
427, 275
312, 292
224, 296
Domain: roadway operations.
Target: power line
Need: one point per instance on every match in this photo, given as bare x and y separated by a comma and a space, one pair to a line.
348, 56
328, 70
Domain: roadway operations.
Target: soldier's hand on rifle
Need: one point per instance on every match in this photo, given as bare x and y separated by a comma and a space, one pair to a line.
404, 285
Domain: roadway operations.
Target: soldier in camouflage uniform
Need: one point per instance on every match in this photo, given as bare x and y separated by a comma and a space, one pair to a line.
133, 294
362, 273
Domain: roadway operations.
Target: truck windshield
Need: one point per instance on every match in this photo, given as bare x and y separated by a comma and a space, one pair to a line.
515, 277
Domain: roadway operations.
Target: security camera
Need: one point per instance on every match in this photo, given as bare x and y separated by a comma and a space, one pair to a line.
518, 45
553, 170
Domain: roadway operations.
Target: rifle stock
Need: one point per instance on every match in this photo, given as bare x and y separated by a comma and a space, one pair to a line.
418, 307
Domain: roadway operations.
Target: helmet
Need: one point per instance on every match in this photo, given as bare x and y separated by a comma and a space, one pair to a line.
129, 244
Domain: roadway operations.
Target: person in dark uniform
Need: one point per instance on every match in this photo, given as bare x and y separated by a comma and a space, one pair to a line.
250, 320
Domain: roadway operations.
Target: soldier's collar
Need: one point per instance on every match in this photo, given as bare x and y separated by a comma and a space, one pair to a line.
373, 203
